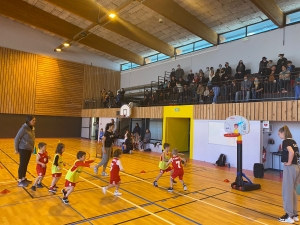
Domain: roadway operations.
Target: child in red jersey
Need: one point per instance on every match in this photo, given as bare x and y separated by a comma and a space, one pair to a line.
73, 174
163, 164
115, 168
178, 169
41, 166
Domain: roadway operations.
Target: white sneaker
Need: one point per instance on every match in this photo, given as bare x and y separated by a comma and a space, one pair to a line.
185, 188
117, 193
104, 190
130, 152
213, 103
104, 174
286, 219
296, 218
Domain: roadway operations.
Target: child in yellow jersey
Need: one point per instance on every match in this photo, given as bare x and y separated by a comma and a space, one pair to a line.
163, 164
73, 174
57, 166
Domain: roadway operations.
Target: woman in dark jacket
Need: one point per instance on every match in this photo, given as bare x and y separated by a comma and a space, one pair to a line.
257, 89
282, 61
24, 146
240, 71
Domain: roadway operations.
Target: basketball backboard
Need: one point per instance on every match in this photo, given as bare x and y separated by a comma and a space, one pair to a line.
237, 124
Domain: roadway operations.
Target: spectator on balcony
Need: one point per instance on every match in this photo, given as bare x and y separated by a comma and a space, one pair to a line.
263, 64
206, 73
172, 74
211, 75
104, 96
200, 93
179, 73
196, 78
228, 70
240, 70
215, 83
173, 82
181, 81
225, 82
147, 98
232, 90
270, 81
282, 61
193, 90
202, 79
245, 90
290, 67
206, 94
284, 80
297, 87
270, 63
178, 89
186, 96
120, 96
220, 66
190, 77
257, 89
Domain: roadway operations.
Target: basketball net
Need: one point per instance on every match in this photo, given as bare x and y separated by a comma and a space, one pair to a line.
231, 141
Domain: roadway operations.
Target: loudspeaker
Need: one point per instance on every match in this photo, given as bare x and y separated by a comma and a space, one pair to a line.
258, 170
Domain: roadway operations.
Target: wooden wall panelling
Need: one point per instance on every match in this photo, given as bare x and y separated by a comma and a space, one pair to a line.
289, 110
273, 116
17, 76
59, 87
261, 111
209, 117
214, 114
252, 110
295, 111
96, 78
269, 110
264, 111
204, 117
278, 111
226, 111
147, 112
283, 111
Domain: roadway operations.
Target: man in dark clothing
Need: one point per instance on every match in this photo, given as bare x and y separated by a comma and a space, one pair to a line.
173, 82
282, 61
228, 70
263, 66
172, 73
215, 83
245, 89
137, 129
179, 73
190, 77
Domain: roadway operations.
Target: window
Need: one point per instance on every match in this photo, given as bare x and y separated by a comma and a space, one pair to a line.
151, 59
126, 66
201, 45
134, 65
293, 18
233, 35
162, 57
261, 27
185, 49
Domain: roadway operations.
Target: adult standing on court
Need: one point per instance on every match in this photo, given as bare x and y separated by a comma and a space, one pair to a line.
107, 141
24, 146
291, 175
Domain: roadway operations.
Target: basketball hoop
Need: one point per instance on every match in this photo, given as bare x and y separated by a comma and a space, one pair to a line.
231, 138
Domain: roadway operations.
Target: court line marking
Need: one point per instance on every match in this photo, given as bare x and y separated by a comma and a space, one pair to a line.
153, 214
210, 204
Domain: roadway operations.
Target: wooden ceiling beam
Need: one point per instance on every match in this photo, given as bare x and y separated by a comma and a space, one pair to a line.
174, 12
271, 10
29, 14
92, 11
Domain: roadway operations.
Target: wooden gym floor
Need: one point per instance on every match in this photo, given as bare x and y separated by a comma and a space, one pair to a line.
209, 200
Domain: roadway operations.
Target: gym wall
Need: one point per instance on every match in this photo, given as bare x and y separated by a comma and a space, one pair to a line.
46, 126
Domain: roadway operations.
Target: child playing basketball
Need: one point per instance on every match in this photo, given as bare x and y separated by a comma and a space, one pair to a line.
41, 166
164, 158
57, 166
115, 168
73, 173
178, 169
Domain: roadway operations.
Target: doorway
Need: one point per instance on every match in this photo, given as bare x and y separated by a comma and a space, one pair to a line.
178, 134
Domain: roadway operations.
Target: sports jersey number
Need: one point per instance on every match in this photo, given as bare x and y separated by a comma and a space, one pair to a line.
178, 164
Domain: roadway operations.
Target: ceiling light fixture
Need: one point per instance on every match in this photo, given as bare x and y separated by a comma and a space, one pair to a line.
66, 45
112, 15
57, 50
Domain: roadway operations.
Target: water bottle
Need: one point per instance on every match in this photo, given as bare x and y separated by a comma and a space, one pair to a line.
281, 173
